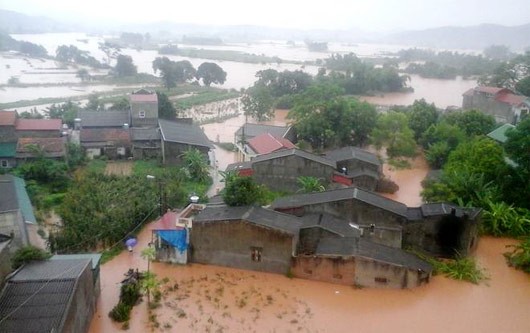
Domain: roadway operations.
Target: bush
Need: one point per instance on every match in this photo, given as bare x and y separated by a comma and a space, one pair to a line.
121, 312
26, 254
520, 255
465, 269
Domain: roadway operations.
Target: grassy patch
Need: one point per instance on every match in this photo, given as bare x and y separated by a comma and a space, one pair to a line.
465, 269
96, 166
108, 254
230, 55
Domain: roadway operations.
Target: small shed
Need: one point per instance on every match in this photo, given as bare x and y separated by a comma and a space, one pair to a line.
170, 241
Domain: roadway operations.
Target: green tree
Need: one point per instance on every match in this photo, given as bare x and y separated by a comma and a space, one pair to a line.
472, 122
32, 50
421, 116
125, 66
27, 254
111, 50
310, 184
121, 104
258, 103
523, 86
65, 111
392, 131
518, 145
439, 140
95, 103
196, 164
210, 73
242, 191
173, 73
166, 109
363, 120
508, 74
83, 75
498, 52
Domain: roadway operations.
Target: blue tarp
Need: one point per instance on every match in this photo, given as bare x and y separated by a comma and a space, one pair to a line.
176, 238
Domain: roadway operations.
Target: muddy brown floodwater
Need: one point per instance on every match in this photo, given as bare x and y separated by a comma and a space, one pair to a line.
199, 298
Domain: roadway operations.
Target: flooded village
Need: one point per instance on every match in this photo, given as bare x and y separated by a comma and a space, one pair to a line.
248, 207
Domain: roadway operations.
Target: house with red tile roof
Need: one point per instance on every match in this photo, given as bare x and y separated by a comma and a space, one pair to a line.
39, 128
503, 104
267, 143
30, 148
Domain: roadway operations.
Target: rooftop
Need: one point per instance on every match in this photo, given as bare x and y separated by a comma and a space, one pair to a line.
144, 95
253, 130
267, 143
145, 134
510, 98
51, 147
331, 223
348, 153
253, 214
180, 132
367, 197
294, 152
103, 118
39, 124
115, 135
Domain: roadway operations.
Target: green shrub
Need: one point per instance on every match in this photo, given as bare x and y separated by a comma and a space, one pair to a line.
465, 269
520, 255
121, 312
26, 254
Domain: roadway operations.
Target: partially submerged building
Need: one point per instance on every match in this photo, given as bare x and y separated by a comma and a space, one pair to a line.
49, 296
501, 103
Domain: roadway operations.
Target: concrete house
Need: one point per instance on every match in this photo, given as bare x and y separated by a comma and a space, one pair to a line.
144, 108
319, 247
15, 211
249, 131
250, 238
62, 297
178, 137
111, 142
441, 229
266, 143
280, 170
501, 103
359, 167
145, 142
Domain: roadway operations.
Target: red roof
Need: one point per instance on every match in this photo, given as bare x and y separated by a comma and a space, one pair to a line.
167, 222
267, 143
39, 124
491, 90
105, 135
8, 118
144, 96
48, 145
510, 98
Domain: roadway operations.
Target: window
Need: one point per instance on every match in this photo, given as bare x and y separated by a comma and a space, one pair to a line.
4, 163
141, 114
381, 280
255, 253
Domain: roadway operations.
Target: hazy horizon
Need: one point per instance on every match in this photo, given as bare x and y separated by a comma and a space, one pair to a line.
373, 16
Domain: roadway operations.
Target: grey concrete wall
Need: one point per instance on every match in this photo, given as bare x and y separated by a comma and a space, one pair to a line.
326, 269
228, 243
309, 238
487, 104
151, 114
445, 236
8, 134
281, 174
371, 273
82, 305
12, 223
173, 151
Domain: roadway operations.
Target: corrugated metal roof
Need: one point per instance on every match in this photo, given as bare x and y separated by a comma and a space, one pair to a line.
52, 270
253, 130
94, 257
8, 195
499, 134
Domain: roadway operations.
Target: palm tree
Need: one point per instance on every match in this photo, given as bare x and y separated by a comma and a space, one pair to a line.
196, 164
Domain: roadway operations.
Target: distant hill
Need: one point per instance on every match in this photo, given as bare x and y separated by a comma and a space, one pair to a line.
16, 23
517, 38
